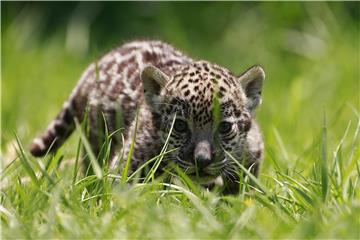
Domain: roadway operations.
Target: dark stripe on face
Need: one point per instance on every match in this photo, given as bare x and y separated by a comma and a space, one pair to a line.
229, 138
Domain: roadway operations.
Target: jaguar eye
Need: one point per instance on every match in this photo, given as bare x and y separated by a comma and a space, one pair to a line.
180, 125
225, 127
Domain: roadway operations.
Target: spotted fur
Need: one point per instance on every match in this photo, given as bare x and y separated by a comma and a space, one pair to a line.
166, 85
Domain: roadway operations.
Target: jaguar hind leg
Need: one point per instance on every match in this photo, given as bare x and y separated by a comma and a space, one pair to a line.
103, 134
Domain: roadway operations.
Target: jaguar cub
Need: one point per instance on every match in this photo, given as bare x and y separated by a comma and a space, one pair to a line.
170, 90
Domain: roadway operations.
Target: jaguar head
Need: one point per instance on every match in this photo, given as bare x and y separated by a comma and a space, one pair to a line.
204, 112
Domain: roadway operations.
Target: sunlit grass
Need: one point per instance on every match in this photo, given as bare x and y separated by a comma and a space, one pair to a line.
40, 200
309, 181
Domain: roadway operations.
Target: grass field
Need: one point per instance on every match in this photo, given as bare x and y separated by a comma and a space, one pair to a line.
310, 120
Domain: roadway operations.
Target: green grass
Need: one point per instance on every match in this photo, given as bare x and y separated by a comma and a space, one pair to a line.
309, 181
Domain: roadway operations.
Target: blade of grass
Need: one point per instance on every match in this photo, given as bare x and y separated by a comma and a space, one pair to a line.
281, 144
271, 154
324, 163
194, 200
337, 158
242, 221
78, 150
248, 173
151, 174
26, 162
147, 163
128, 160
93, 160
187, 181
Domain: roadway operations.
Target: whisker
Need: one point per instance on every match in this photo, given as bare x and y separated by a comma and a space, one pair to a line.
230, 173
178, 159
219, 163
182, 164
224, 174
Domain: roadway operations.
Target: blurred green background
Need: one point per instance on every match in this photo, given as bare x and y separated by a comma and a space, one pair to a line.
310, 53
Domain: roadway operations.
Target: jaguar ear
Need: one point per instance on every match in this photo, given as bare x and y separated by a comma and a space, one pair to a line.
153, 80
251, 81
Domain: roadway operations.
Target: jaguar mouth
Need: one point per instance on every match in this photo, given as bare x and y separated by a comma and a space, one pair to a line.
203, 179
201, 175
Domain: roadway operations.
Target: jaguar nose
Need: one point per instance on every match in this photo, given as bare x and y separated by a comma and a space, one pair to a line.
203, 154
202, 161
